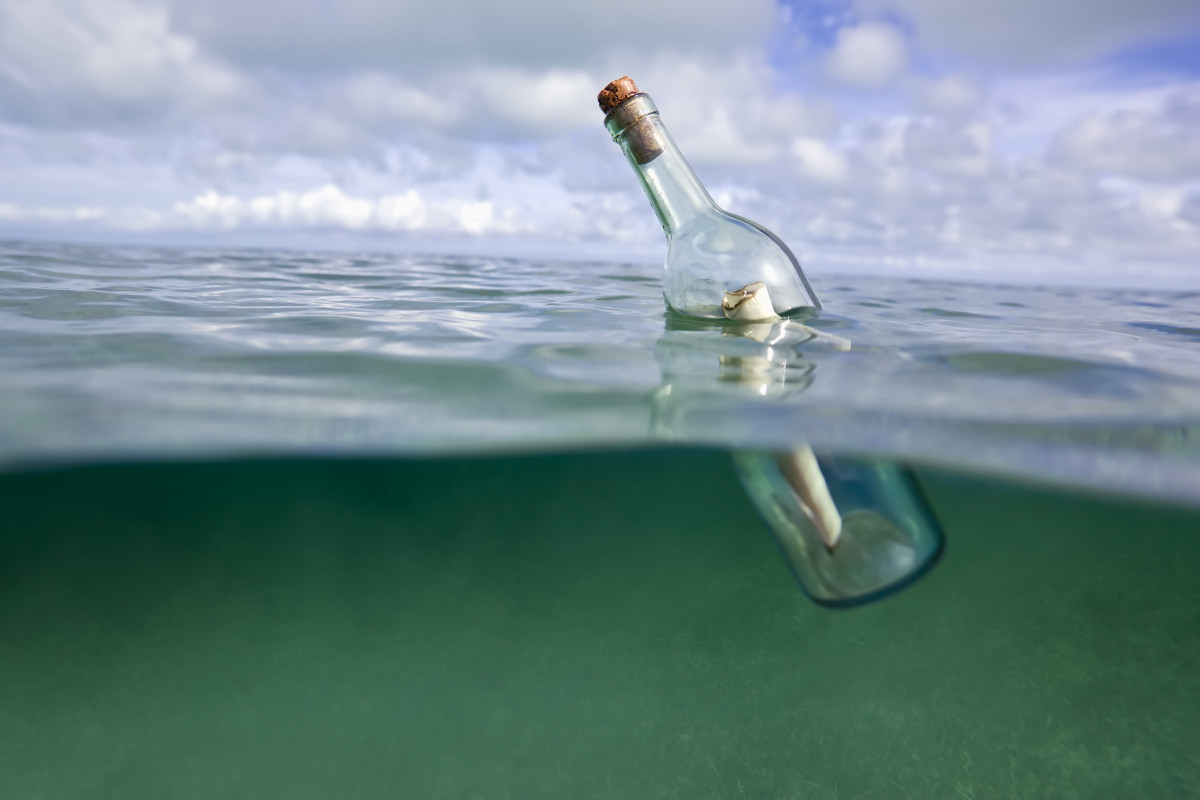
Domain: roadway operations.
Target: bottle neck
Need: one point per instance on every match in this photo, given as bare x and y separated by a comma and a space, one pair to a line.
675, 192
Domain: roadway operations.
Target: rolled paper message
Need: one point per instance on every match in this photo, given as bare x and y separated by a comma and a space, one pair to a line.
803, 475
750, 303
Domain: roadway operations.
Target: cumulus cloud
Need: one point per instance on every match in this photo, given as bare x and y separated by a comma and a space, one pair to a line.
868, 55
730, 116
522, 211
86, 217
399, 119
330, 207
906, 186
323, 208
9, 211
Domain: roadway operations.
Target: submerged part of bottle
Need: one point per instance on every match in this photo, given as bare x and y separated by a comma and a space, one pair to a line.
710, 251
852, 530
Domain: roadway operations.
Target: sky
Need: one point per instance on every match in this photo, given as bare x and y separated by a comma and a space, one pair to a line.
1036, 140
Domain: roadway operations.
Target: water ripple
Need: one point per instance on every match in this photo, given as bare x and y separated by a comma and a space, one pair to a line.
112, 351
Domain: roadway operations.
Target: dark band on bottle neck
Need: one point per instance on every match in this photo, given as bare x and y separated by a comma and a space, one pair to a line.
636, 122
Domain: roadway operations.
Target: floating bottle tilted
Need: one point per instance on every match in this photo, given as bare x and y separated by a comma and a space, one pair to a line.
714, 258
852, 529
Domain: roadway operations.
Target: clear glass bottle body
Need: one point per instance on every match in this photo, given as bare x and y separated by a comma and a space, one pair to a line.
710, 251
888, 536
852, 530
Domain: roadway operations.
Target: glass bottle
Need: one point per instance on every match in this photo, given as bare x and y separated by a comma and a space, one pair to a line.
853, 530
714, 259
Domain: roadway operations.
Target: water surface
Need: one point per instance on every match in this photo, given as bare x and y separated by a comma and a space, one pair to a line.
148, 353
264, 532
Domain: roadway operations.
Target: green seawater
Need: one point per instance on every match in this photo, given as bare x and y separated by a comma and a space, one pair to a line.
590, 624
322, 525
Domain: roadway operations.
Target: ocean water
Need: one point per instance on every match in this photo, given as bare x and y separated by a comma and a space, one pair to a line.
312, 525
141, 353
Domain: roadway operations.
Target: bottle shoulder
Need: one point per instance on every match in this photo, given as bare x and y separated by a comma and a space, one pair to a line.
723, 234
721, 253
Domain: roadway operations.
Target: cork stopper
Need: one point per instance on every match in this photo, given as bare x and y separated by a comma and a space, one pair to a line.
616, 93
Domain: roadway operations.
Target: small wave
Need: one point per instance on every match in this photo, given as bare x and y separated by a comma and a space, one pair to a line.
1174, 330
944, 312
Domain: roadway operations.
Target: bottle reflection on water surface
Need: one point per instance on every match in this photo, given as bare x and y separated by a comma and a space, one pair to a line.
710, 251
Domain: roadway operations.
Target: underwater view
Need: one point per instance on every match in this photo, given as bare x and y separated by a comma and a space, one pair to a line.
315, 524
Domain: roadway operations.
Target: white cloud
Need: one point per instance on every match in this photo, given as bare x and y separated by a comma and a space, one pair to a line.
390, 118
951, 96
9, 211
1160, 144
1163, 208
497, 101
72, 60
1031, 33
721, 140
89, 217
381, 95
1189, 214
324, 208
870, 55
407, 211
819, 161
330, 207
540, 104
728, 114
416, 38
954, 151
